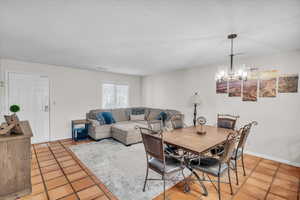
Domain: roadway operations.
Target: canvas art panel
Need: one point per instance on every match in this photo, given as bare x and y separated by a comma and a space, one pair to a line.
267, 83
288, 83
221, 86
250, 87
235, 87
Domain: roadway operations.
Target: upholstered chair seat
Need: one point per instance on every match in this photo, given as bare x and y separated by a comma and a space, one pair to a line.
212, 169
157, 160
172, 165
217, 166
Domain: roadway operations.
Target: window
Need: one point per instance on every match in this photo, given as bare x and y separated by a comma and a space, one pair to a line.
114, 96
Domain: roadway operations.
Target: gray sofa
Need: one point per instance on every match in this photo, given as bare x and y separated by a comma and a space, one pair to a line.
124, 130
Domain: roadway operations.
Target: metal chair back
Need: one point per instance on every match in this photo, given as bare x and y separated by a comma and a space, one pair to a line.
229, 147
153, 144
244, 133
227, 121
177, 121
155, 125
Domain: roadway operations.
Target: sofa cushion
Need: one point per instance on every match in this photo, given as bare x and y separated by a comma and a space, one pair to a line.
170, 113
140, 117
137, 111
125, 126
92, 114
142, 123
121, 114
153, 114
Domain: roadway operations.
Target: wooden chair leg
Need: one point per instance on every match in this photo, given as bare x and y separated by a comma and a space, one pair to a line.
146, 178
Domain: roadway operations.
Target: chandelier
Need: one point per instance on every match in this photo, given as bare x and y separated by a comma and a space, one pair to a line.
231, 73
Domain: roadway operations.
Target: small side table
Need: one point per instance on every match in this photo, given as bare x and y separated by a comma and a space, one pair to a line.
74, 132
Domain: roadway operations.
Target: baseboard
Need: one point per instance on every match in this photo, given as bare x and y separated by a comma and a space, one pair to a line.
296, 164
62, 138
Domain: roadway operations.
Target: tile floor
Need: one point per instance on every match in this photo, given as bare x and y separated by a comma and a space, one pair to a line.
58, 175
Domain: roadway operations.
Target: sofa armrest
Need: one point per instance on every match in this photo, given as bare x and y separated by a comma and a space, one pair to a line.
94, 122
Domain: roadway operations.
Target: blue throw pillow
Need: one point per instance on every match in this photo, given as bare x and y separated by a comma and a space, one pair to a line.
162, 116
108, 117
100, 118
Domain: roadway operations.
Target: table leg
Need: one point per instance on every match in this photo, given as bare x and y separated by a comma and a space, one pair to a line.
205, 193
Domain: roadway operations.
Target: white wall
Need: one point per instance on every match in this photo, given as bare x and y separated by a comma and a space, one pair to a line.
73, 92
278, 134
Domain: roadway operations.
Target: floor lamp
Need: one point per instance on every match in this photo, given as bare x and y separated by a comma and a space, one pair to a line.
196, 102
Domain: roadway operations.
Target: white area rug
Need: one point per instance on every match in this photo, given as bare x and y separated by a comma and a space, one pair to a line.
122, 169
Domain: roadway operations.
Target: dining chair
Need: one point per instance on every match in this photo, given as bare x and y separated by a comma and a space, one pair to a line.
156, 159
177, 121
224, 121
218, 166
155, 125
227, 121
239, 151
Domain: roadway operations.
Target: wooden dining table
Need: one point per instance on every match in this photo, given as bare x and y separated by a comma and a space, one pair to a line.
190, 140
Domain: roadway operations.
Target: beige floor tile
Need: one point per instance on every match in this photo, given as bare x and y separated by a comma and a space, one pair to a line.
38, 188
82, 183
282, 192
50, 168
77, 175
41, 196
56, 182
90, 193
72, 169
51, 175
67, 163
70, 197
60, 192
36, 179
47, 163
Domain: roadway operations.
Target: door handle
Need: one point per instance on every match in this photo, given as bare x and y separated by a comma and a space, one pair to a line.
46, 108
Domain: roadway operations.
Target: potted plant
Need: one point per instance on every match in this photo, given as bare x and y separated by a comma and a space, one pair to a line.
14, 108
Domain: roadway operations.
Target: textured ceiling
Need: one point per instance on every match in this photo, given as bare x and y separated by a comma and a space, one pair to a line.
144, 37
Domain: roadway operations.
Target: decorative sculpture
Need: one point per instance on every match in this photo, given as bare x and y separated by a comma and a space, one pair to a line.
201, 121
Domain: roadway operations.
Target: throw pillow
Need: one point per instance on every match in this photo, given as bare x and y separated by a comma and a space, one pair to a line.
100, 118
108, 117
162, 116
140, 117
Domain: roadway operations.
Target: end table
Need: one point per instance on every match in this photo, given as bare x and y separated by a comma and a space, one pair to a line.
75, 133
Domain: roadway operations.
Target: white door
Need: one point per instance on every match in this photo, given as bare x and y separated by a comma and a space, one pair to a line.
31, 92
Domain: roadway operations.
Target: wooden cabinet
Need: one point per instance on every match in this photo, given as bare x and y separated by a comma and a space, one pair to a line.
15, 164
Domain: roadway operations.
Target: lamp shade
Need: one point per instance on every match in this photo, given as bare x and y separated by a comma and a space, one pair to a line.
196, 99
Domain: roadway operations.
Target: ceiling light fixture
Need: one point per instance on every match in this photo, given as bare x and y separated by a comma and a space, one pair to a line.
241, 73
